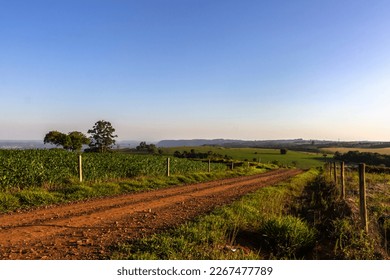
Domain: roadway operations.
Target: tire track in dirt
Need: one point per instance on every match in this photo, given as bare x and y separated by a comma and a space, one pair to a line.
85, 230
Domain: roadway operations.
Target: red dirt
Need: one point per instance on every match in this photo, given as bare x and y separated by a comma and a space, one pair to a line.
86, 230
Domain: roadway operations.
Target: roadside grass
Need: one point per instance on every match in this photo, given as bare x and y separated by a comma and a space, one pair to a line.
236, 231
302, 160
338, 223
378, 206
72, 190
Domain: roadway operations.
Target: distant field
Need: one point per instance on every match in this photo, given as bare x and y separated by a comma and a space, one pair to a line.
384, 151
300, 159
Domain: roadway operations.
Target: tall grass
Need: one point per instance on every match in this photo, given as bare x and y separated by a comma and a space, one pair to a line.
351, 240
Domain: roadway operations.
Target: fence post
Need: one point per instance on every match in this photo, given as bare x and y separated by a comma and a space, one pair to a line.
330, 170
209, 166
168, 166
362, 194
232, 165
335, 172
80, 168
342, 178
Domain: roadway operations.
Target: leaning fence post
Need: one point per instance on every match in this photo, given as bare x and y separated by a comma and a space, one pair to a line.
362, 195
168, 166
342, 178
80, 168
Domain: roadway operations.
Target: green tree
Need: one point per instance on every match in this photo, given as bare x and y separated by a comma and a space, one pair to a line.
72, 141
143, 147
77, 140
102, 136
55, 137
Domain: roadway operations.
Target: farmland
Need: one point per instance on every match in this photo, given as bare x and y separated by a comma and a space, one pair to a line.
30, 178
292, 158
34, 168
383, 151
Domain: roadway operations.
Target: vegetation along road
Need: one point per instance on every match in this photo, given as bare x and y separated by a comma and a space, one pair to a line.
86, 230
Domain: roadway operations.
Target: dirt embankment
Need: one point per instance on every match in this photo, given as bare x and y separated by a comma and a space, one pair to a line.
86, 230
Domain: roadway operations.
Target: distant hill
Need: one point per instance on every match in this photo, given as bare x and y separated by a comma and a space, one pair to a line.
234, 143
297, 144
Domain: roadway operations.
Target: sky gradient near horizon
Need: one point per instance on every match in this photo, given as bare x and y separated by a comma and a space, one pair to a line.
181, 69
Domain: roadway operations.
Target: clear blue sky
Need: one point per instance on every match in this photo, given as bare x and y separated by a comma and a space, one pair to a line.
179, 69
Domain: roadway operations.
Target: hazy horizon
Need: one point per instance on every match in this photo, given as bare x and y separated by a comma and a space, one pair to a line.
209, 139
196, 69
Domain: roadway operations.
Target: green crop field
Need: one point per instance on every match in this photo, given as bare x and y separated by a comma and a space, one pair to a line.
292, 158
383, 151
34, 168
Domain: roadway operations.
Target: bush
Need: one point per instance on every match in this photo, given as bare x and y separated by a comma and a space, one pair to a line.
283, 151
287, 237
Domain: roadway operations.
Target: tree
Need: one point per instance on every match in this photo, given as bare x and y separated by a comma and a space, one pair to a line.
77, 140
55, 137
283, 151
143, 147
102, 136
73, 141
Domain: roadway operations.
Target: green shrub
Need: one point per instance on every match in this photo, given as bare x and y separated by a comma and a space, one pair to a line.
288, 236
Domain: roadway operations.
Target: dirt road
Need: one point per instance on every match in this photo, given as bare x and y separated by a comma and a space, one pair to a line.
85, 230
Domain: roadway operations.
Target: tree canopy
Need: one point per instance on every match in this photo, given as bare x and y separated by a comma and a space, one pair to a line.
147, 148
102, 136
73, 141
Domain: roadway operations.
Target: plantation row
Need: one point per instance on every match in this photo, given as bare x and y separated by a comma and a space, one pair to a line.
33, 168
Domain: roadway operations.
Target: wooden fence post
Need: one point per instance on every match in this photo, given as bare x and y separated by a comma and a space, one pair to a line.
209, 166
232, 165
330, 170
335, 172
342, 178
362, 195
80, 168
168, 166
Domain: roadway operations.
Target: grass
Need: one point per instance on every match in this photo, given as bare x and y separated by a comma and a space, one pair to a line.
338, 223
292, 158
287, 236
378, 205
